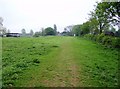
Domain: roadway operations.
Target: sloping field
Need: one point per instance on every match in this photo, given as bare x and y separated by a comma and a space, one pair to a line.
58, 62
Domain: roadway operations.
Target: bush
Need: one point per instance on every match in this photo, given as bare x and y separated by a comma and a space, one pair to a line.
89, 36
100, 37
116, 42
108, 41
94, 37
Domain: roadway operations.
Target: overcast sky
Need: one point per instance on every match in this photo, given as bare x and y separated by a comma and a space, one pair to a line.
35, 14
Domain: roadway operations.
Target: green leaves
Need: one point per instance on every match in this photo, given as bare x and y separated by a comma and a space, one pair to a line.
50, 31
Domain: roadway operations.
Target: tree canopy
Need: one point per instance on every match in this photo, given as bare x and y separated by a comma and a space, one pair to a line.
49, 31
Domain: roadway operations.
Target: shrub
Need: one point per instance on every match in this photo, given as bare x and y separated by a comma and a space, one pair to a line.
108, 41
89, 36
116, 42
94, 37
100, 37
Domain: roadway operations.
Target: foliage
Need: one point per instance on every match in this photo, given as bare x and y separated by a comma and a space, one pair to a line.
112, 10
102, 18
85, 28
23, 31
55, 29
76, 30
100, 37
31, 32
49, 31
108, 41
37, 34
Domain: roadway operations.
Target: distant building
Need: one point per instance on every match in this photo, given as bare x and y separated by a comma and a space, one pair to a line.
12, 34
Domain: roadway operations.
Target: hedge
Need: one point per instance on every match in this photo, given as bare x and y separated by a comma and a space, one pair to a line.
108, 41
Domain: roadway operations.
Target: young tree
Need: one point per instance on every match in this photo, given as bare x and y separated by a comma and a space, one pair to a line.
31, 32
43, 31
77, 30
23, 31
55, 29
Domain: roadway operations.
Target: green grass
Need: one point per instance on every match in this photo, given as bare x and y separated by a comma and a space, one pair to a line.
99, 65
58, 61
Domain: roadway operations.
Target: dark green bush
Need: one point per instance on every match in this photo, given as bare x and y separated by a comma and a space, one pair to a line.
116, 42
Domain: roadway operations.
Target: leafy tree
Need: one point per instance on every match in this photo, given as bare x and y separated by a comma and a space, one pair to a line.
101, 17
106, 13
31, 32
93, 25
42, 31
76, 30
49, 31
4, 30
85, 27
112, 9
23, 31
55, 29
8, 31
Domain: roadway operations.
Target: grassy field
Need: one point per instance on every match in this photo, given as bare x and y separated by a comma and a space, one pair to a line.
57, 62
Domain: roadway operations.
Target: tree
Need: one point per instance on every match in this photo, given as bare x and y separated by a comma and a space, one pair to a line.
1, 20
2, 29
112, 9
76, 30
31, 32
55, 29
49, 31
42, 32
8, 31
107, 13
23, 31
85, 28
93, 25
101, 17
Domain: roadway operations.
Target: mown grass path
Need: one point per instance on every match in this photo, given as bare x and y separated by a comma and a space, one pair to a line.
69, 62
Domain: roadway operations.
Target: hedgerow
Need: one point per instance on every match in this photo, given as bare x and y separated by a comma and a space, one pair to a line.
108, 41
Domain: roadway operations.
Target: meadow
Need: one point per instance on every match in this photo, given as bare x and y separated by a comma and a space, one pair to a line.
58, 62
